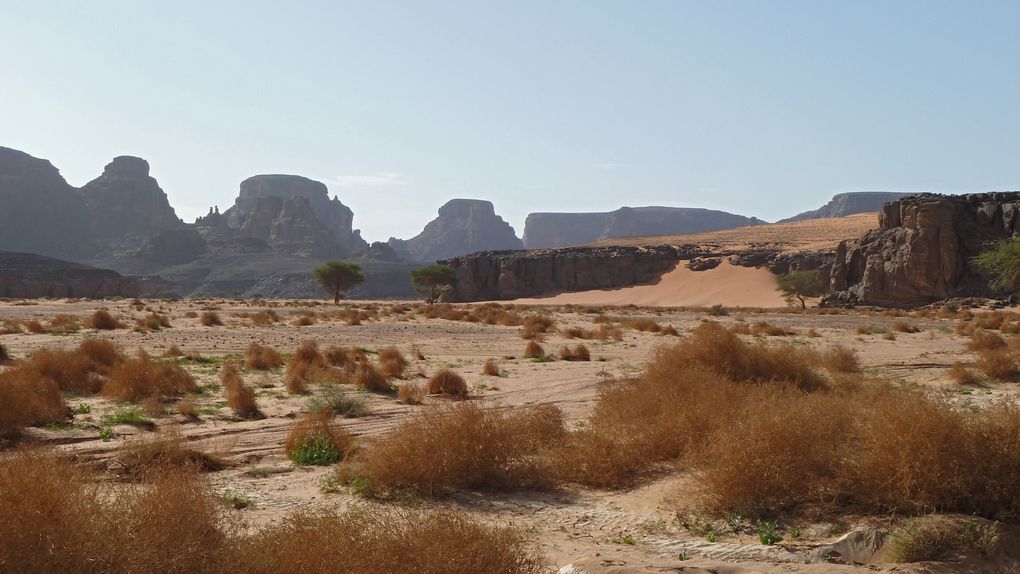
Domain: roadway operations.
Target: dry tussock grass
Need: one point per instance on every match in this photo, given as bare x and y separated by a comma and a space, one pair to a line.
392, 361
146, 458
101, 319
459, 446
142, 377
211, 319
28, 398
533, 350
577, 353
491, 368
447, 382
303, 366
959, 373
240, 396
152, 322
904, 327
317, 439
367, 377
606, 331
261, 357
411, 393
58, 518
982, 340
769, 330
82, 370
34, 326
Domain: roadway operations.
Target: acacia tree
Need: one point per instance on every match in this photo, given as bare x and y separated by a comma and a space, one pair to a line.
800, 285
430, 280
337, 277
1002, 261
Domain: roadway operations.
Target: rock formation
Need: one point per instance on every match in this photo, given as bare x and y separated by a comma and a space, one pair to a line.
126, 205
26, 275
39, 211
496, 275
548, 230
293, 214
843, 204
922, 250
463, 226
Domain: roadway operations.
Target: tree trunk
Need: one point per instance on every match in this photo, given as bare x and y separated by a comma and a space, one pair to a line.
336, 296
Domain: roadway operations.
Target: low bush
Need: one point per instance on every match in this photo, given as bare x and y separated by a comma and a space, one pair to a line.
211, 319
459, 446
335, 400
578, 353
261, 357
82, 370
146, 458
142, 377
447, 382
491, 368
368, 378
533, 350
392, 362
316, 440
931, 538
28, 398
240, 396
101, 319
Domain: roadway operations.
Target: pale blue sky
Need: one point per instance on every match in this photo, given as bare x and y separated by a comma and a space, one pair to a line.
760, 108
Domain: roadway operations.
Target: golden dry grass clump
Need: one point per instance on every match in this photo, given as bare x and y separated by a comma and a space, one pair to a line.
367, 377
535, 325
152, 322
960, 374
211, 319
607, 331
316, 439
82, 370
59, 518
102, 320
28, 398
303, 365
240, 396
34, 326
142, 377
767, 329
491, 368
533, 350
447, 382
578, 353
392, 361
261, 357
459, 446
411, 393
304, 321
145, 458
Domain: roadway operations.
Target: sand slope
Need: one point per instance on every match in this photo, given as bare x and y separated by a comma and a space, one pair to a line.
725, 285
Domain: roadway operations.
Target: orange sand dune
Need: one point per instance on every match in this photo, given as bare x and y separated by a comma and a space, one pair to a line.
725, 285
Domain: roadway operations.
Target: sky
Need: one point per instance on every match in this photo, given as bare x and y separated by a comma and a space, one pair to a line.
762, 108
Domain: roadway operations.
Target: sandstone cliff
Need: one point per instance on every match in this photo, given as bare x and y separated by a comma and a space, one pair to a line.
547, 230
463, 226
126, 205
26, 275
922, 250
39, 211
843, 204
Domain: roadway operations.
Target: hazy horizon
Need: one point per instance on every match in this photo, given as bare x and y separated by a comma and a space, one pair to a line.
759, 109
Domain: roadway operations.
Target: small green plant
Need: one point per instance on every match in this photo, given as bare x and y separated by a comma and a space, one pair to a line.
718, 311
106, 433
82, 409
256, 472
235, 499
1001, 260
711, 536
335, 400
768, 532
315, 450
127, 417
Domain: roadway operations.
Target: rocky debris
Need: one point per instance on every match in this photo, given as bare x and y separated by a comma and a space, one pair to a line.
703, 263
126, 205
923, 249
548, 230
843, 204
290, 212
39, 211
378, 251
26, 275
463, 226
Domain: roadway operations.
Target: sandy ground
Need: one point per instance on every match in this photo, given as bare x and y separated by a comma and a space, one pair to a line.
583, 528
810, 235
727, 285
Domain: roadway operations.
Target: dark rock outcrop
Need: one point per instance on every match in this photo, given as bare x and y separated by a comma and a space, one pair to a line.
291, 213
378, 251
548, 230
173, 247
923, 250
463, 226
39, 211
843, 204
499, 275
126, 205
26, 275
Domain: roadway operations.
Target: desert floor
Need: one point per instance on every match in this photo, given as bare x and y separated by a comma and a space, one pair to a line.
637, 530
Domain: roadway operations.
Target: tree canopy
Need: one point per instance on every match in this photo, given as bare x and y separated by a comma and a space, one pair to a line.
430, 280
798, 285
336, 277
1002, 260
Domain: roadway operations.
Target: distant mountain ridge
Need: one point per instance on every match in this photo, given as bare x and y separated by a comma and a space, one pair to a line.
850, 203
548, 230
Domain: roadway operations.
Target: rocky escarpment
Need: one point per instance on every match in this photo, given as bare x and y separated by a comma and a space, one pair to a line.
26, 275
500, 275
126, 205
843, 204
463, 226
548, 230
923, 250
39, 211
